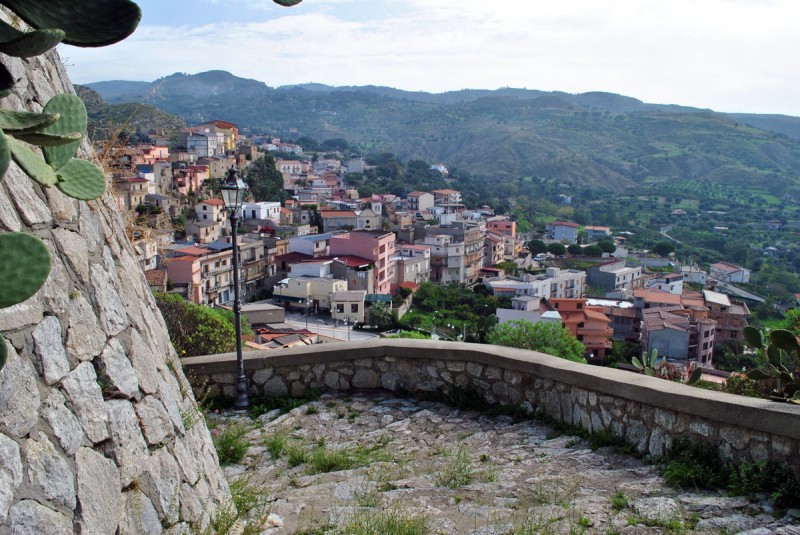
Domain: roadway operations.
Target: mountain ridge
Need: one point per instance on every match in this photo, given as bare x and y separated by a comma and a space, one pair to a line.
595, 139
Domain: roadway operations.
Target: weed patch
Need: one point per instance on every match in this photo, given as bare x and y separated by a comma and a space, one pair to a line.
231, 445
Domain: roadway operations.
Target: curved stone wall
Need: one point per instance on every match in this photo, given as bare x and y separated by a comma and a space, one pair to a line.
646, 412
97, 420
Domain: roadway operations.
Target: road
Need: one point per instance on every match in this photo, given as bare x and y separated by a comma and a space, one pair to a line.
326, 327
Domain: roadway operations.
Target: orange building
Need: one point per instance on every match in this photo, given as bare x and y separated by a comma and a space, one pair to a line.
590, 325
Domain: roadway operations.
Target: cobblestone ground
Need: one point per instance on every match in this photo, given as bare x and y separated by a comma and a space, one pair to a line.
339, 464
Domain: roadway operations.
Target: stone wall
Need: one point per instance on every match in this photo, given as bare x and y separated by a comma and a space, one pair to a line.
646, 412
97, 421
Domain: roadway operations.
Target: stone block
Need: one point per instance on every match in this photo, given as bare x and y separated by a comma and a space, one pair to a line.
31, 518
665, 419
160, 482
331, 380
735, 436
143, 360
493, 373
86, 401
512, 377
365, 378
275, 388
474, 369
155, 421
128, 447
10, 474
455, 365
50, 472
116, 371
19, 394
461, 381
99, 492
139, 516
363, 363
113, 317
50, 356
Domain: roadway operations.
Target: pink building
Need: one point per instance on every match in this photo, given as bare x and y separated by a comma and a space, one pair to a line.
190, 178
375, 245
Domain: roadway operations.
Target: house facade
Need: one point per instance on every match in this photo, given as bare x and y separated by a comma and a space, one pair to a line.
375, 245
562, 231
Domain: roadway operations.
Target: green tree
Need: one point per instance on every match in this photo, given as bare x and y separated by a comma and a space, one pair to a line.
550, 338
537, 246
663, 248
557, 249
195, 330
607, 246
381, 317
593, 250
264, 180
574, 249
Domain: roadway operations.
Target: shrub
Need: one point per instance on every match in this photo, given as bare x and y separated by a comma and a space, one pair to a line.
231, 445
193, 329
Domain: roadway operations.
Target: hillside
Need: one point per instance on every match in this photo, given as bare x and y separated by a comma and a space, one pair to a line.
597, 140
107, 120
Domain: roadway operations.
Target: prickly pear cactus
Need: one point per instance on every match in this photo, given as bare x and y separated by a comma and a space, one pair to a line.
81, 179
24, 267
5, 154
72, 118
85, 23
14, 122
32, 163
26, 44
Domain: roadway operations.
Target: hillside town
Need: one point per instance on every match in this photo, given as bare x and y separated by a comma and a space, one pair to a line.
328, 253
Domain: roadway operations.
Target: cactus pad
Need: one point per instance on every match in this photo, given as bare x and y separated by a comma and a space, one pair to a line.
87, 23
81, 179
5, 154
24, 267
31, 163
73, 119
25, 121
48, 140
24, 45
287, 3
784, 339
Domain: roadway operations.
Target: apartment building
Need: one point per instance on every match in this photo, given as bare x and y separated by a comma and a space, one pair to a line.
375, 245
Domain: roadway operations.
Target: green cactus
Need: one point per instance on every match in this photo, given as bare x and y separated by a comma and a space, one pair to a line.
72, 112
48, 140
779, 368
13, 122
32, 163
24, 267
26, 44
5, 154
648, 363
3, 353
81, 179
86, 23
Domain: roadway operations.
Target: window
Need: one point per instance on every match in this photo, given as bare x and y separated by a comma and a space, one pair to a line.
340, 308
580, 306
354, 308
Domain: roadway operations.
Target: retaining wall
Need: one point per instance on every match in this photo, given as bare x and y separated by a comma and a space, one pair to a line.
646, 412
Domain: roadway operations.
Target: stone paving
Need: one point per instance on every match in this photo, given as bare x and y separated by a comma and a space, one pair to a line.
465, 472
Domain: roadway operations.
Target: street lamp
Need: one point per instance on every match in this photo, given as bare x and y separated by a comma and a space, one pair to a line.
233, 194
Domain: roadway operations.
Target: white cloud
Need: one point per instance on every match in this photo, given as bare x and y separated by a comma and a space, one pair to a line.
732, 55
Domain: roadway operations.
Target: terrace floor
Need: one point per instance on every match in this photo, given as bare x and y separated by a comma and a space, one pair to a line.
349, 465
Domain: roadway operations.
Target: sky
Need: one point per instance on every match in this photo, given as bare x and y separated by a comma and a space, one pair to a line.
726, 55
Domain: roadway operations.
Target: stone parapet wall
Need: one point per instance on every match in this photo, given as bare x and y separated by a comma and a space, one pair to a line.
648, 413
97, 420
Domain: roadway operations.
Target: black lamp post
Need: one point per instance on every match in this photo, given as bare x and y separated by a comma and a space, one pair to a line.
233, 194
